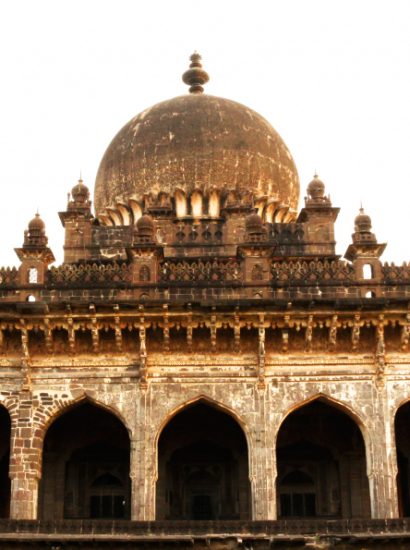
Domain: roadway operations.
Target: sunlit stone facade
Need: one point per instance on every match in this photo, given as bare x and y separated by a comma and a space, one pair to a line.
203, 353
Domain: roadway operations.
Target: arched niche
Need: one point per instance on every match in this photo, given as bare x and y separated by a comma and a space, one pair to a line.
321, 464
180, 204
5, 433
402, 433
202, 466
196, 204
86, 466
214, 204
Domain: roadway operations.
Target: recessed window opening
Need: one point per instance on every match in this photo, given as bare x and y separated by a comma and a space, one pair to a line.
33, 275
369, 294
367, 271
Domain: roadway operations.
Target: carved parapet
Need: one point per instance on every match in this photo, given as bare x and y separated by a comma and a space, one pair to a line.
9, 277
311, 272
89, 275
210, 271
392, 273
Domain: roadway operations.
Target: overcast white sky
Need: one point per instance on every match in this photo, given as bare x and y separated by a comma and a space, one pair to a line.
333, 78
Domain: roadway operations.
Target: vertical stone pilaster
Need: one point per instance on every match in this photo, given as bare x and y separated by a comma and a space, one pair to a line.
262, 480
382, 463
25, 462
142, 465
24, 498
262, 464
383, 494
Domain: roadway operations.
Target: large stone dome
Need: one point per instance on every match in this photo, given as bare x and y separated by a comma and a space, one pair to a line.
196, 141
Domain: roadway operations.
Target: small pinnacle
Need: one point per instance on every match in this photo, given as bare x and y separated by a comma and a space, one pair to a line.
195, 76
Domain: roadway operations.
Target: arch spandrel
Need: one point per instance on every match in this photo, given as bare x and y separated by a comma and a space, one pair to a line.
56, 411
331, 401
221, 407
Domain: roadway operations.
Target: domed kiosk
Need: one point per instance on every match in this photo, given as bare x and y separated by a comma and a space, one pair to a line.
196, 142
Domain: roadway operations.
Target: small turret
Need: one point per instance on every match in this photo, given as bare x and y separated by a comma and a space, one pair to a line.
364, 253
77, 220
145, 229
35, 255
255, 230
316, 193
365, 244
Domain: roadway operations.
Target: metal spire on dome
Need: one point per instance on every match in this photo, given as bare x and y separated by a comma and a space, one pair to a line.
195, 76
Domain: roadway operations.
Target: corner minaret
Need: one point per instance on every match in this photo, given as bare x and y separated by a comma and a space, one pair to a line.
35, 255
364, 253
77, 220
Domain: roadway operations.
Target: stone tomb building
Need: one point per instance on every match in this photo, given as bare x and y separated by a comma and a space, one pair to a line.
203, 353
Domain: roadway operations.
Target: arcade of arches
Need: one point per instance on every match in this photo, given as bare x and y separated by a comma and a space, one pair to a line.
204, 465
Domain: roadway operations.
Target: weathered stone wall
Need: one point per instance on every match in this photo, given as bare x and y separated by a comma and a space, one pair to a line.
36, 394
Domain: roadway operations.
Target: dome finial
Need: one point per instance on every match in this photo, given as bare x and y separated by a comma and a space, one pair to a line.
195, 76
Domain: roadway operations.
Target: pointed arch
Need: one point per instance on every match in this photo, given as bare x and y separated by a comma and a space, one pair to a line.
52, 414
338, 404
206, 399
202, 452
85, 440
326, 440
